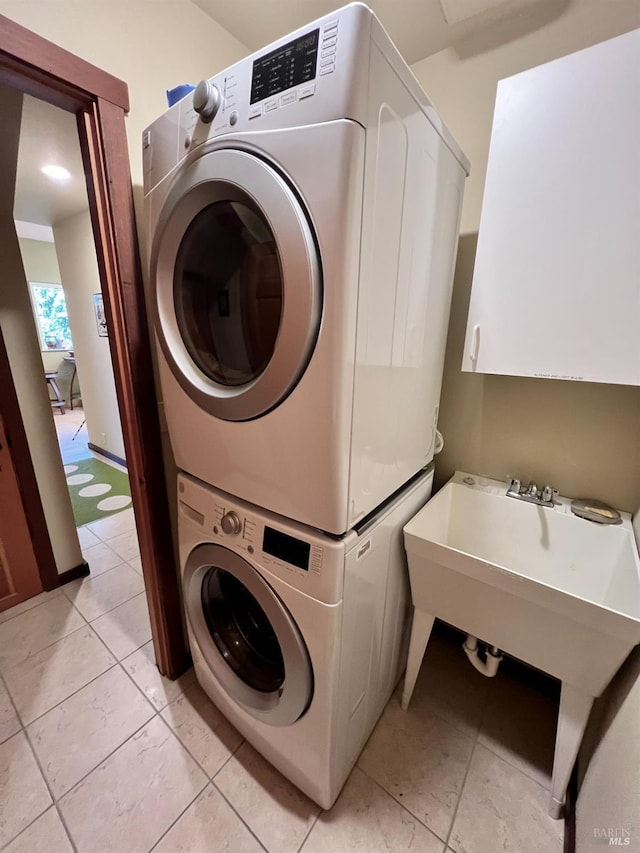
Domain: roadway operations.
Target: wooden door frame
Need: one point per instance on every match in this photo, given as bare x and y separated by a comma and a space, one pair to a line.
100, 101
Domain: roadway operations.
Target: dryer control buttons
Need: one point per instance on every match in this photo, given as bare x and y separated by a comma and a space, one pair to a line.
206, 100
231, 523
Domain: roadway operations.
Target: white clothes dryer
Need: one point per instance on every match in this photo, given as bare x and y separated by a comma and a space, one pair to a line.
298, 638
302, 212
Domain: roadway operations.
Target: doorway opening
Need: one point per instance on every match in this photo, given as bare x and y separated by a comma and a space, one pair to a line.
97, 103
53, 226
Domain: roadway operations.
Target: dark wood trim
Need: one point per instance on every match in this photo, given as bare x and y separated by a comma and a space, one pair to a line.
107, 453
21, 455
106, 159
42, 63
80, 571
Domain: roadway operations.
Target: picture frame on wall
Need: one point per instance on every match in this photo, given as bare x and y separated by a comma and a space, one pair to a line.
101, 319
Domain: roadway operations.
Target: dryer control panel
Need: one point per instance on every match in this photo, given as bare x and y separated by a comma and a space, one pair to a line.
254, 93
316, 74
290, 65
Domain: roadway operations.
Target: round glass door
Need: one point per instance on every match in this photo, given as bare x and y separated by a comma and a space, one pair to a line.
241, 631
247, 636
228, 291
237, 284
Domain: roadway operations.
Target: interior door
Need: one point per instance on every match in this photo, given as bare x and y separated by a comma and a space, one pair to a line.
19, 576
237, 284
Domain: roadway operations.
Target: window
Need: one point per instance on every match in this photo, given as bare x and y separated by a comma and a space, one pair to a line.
50, 310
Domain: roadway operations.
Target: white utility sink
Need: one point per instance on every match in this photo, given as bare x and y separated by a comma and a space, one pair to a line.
555, 590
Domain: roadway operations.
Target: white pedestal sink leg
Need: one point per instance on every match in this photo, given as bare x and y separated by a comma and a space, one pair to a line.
575, 707
420, 632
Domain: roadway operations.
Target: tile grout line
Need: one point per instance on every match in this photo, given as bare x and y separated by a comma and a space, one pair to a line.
442, 716
402, 805
199, 793
188, 751
132, 679
126, 601
483, 713
8, 619
237, 813
111, 609
86, 578
115, 663
44, 648
156, 713
524, 772
311, 828
54, 802
133, 530
106, 758
224, 796
24, 729
53, 707
15, 710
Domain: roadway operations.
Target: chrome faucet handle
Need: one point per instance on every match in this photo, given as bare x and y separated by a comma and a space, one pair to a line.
514, 485
547, 493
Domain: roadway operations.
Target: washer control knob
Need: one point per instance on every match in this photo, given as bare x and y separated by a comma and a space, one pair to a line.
231, 523
206, 100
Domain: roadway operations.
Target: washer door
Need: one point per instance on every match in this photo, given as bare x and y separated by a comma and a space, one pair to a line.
247, 636
237, 284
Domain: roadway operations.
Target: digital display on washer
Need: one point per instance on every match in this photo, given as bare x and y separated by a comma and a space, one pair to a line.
286, 548
284, 67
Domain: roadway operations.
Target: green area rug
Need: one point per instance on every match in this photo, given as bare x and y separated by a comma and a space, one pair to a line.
97, 490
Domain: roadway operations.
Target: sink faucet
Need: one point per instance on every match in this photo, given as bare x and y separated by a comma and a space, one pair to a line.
531, 493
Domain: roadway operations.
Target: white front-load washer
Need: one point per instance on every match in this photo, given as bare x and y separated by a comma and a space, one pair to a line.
298, 637
302, 212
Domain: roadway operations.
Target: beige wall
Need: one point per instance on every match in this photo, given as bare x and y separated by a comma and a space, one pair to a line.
152, 45
582, 438
23, 348
41, 264
79, 272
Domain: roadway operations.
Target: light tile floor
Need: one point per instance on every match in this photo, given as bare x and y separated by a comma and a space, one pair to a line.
99, 753
72, 434
71, 430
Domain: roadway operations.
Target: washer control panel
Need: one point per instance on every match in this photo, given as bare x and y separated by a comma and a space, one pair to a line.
206, 100
302, 557
230, 523
272, 544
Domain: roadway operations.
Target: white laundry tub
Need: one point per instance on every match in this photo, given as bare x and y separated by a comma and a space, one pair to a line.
555, 590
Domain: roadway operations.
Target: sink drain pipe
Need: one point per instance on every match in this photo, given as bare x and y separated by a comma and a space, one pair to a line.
490, 665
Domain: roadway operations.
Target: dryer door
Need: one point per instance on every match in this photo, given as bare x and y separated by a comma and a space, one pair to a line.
237, 284
247, 636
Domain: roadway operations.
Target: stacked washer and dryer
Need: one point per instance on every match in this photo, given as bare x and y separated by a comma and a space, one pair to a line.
302, 211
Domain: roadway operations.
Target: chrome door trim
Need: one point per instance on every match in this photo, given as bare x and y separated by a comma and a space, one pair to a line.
281, 707
224, 175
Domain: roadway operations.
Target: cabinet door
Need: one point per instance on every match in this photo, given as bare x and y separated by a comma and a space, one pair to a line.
556, 286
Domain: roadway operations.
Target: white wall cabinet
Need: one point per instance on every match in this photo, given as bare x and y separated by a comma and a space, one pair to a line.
556, 285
